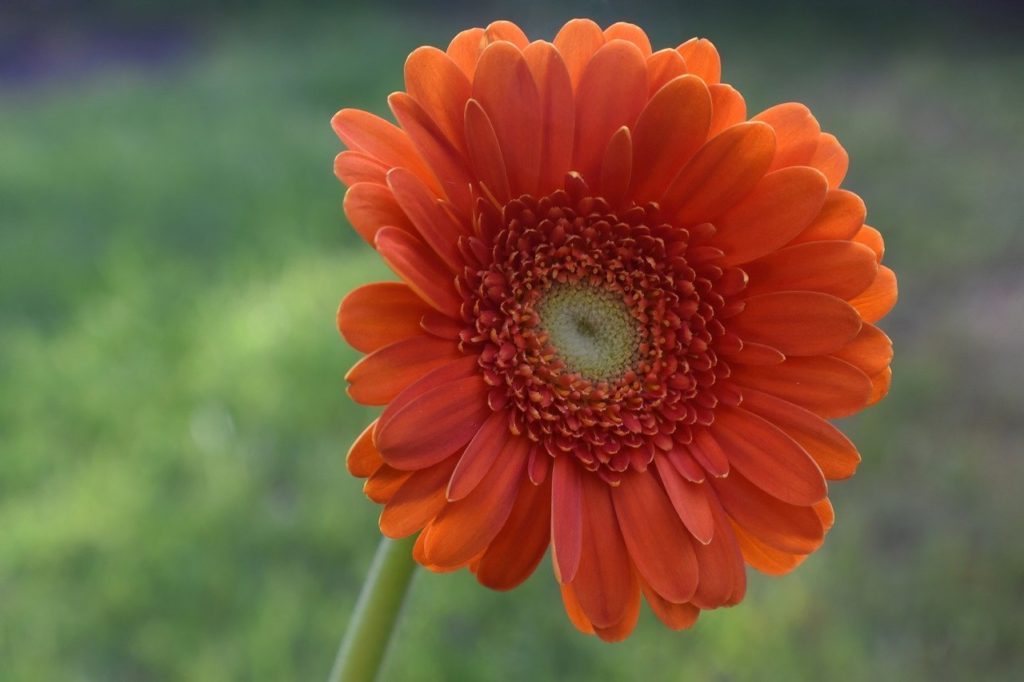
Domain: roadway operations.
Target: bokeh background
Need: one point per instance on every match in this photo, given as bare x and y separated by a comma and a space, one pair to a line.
173, 422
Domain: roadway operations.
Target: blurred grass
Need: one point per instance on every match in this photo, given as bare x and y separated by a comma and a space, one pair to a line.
172, 421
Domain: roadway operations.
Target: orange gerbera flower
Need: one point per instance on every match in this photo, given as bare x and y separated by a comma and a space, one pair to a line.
626, 313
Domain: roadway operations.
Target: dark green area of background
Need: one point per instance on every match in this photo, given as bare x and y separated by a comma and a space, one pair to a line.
173, 500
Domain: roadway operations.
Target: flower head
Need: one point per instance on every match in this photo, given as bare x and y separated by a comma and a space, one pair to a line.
626, 313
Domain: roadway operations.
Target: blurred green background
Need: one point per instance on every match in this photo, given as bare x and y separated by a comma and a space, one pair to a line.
173, 499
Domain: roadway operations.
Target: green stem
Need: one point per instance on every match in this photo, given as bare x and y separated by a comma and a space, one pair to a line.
373, 620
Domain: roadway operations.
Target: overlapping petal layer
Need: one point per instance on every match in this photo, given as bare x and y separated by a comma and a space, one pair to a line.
625, 315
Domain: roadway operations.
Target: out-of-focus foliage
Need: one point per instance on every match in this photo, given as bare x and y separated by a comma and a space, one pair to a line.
173, 500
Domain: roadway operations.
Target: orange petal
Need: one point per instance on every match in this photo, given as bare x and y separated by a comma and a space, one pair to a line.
381, 486
520, 545
617, 167
674, 616
604, 580
363, 458
380, 139
420, 268
478, 456
841, 217
622, 629
689, 500
577, 42
831, 159
610, 94
557, 113
871, 238
786, 527
722, 172
756, 354
797, 322
622, 30
369, 207
870, 351
668, 132
566, 517
826, 513
706, 450
376, 315
466, 366
796, 134
826, 386
437, 227
505, 89
877, 300
702, 59
765, 558
574, 609
834, 453
441, 88
838, 268
448, 163
465, 49
507, 31
880, 384
419, 500
727, 108
768, 457
465, 528
663, 66
776, 210
352, 167
723, 577
485, 152
434, 425
657, 540
381, 375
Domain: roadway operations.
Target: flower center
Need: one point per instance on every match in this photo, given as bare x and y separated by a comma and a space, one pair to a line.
590, 329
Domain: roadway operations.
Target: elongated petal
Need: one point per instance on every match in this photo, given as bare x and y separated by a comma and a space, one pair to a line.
630, 32
611, 93
669, 131
449, 164
577, 42
465, 528
674, 616
657, 540
689, 500
702, 59
380, 139
831, 159
826, 386
877, 300
835, 454
382, 375
841, 217
722, 172
871, 238
797, 322
663, 66
436, 82
775, 211
768, 457
557, 113
840, 268
450, 372
786, 527
604, 581
419, 500
420, 268
566, 517
617, 167
727, 108
438, 228
505, 89
507, 31
370, 207
363, 459
485, 154
464, 50
376, 315
479, 456
796, 134
870, 351
518, 548
434, 425
723, 577
764, 557
353, 167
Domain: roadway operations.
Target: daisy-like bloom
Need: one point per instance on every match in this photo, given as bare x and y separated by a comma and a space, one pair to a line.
625, 315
